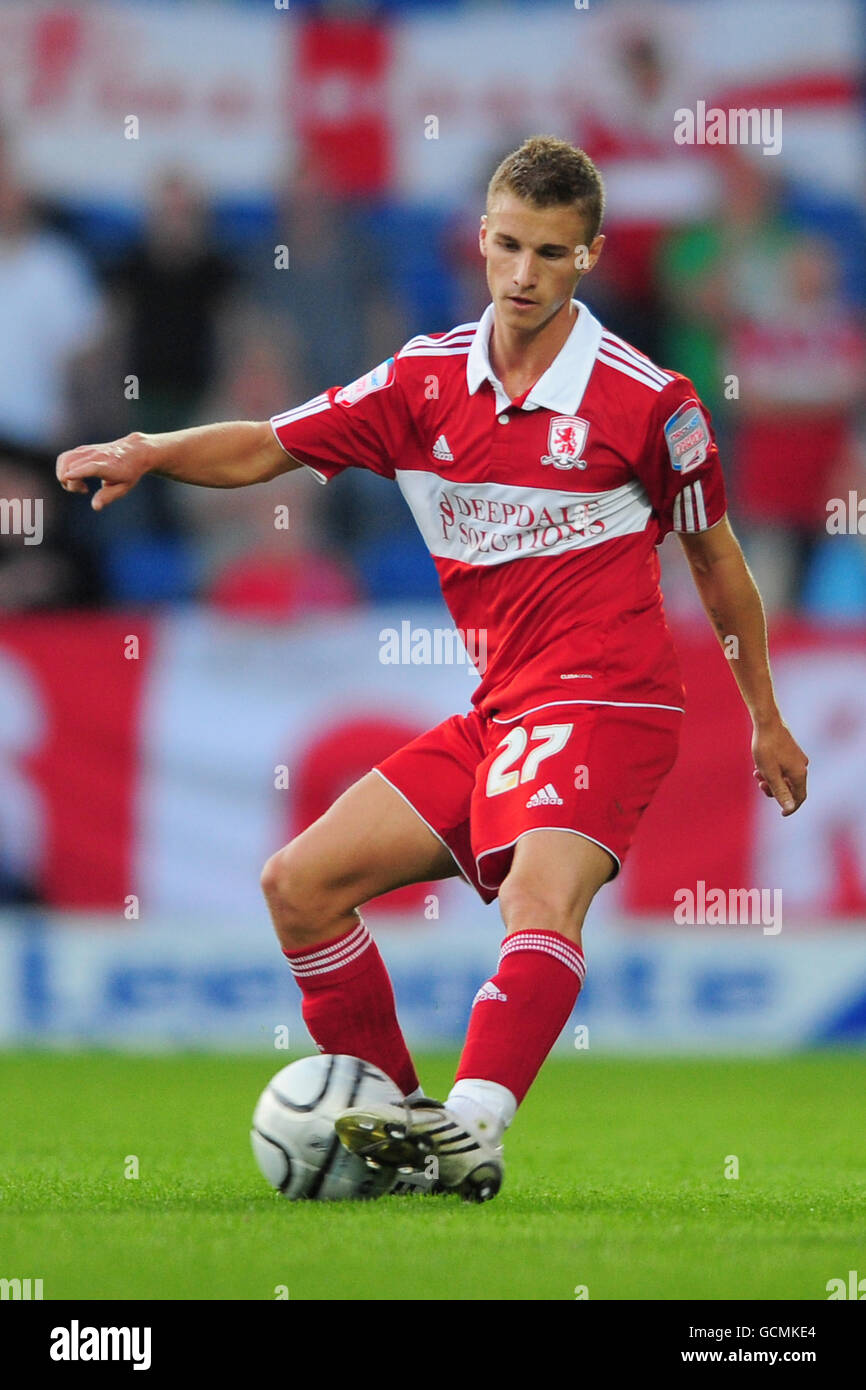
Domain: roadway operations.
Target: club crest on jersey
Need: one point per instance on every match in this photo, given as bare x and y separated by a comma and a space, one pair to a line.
565, 440
377, 380
687, 435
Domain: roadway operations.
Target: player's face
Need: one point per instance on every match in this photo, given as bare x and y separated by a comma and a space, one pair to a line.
535, 257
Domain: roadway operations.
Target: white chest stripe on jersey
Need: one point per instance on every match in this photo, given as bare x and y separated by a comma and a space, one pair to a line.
490, 523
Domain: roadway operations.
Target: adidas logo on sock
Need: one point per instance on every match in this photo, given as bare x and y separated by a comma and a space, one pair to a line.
442, 451
489, 991
545, 796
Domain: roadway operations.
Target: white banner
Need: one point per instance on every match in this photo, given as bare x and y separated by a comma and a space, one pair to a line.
470, 86
101, 97
73, 980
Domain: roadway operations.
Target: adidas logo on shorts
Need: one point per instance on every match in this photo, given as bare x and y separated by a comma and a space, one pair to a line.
545, 796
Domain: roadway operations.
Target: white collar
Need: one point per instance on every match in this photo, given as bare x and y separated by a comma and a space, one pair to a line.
562, 386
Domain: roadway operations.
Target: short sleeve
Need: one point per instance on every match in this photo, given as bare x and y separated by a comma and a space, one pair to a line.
362, 425
680, 466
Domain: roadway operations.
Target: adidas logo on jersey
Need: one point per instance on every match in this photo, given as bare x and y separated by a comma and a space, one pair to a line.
545, 796
489, 991
442, 451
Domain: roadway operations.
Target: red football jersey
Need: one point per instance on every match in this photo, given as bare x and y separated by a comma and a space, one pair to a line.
542, 517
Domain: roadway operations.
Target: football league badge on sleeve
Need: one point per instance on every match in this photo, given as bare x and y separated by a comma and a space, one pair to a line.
565, 441
688, 437
380, 377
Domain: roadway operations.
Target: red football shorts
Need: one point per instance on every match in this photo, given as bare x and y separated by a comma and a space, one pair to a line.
481, 785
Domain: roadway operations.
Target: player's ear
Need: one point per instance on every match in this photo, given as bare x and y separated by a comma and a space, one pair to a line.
585, 257
595, 250
482, 234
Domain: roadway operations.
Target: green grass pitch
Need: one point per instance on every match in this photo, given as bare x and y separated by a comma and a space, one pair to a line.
615, 1181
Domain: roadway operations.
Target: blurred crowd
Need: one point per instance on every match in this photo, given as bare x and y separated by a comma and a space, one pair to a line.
181, 318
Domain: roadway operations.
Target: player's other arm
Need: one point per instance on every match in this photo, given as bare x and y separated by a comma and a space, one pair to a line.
232, 453
733, 604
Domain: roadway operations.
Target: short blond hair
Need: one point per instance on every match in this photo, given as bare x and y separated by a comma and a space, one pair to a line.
549, 172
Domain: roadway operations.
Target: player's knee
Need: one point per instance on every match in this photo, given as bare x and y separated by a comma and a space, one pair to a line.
277, 881
299, 904
527, 905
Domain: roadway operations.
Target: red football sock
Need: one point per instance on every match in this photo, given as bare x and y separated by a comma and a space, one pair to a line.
349, 1006
518, 1015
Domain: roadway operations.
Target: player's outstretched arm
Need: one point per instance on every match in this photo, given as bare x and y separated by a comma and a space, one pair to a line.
733, 604
233, 453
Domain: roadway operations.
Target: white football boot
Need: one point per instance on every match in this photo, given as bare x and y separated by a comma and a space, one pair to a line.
423, 1137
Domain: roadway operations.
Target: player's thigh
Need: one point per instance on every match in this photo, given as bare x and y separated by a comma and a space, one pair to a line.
368, 842
554, 876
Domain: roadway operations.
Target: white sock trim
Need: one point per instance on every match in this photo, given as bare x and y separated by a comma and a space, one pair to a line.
331, 957
556, 946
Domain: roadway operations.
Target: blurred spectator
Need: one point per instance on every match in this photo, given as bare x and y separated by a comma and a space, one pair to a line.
330, 289
283, 578
15, 891
259, 364
801, 370
755, 317
171, 287
277, 569
51, 311
335, 303
168, 290
714, 273
42, 566
260, 553
627, 127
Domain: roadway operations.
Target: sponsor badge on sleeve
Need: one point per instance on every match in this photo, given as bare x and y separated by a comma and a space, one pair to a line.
687, 435
376, 380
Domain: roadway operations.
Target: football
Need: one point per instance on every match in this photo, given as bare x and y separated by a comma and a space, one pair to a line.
293, 1136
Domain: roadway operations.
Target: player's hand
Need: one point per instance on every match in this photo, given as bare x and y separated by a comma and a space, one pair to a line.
780, 766
117, 465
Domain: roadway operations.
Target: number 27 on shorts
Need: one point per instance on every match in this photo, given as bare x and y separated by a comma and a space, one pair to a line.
546, 739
